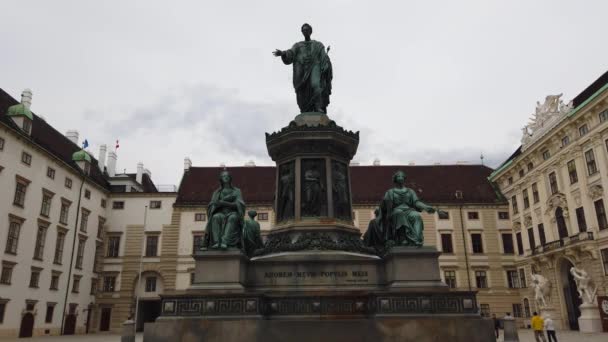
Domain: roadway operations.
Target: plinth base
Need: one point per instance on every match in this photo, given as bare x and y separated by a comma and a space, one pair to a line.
389, 329
590, 320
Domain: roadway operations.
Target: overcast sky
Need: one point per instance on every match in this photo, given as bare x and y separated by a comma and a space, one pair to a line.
424, 81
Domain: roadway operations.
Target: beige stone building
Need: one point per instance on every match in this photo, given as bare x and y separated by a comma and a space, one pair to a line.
555, 183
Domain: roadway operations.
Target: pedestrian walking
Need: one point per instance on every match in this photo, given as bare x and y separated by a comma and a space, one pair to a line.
538, 325
550, 327
496, 325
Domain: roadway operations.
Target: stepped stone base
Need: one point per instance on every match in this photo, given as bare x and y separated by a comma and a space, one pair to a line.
387, 329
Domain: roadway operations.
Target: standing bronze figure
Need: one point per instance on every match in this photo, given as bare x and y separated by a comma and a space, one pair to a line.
312, 72
225, 212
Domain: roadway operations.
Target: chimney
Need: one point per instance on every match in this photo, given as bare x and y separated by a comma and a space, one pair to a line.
148, 172
187, 164
354, 163
72, 135
250, 163
102, 156
140, 172
411, 163
112, 163
26, 98
376, 162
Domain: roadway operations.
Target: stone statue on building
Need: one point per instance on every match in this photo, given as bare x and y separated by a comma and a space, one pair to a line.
252, 239
584, 285
312, 72
225, 212
542, 290
286, 193
400, 218
374, 236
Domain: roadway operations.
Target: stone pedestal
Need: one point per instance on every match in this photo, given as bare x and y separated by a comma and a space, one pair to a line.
510, 329
589, 321
410, 268
219, 270
128, 331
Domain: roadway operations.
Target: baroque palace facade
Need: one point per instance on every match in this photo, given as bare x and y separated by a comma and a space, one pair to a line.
73, 255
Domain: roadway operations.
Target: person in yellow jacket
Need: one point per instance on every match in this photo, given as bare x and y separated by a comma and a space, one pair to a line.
538, 325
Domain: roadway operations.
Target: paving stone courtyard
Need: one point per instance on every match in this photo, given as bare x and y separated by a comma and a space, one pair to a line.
524, 336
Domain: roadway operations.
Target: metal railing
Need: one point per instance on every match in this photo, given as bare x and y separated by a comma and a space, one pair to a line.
567, 241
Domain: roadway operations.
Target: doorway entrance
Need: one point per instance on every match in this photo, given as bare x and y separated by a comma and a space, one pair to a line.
570, 294
147, 312
27, 325
104, 322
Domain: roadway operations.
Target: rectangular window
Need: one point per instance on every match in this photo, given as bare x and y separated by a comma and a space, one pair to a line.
477, 243
517, 311
510, 180
80, 253
12, 240
572, 172
590, 159
503, 215
191, 278
522, 278
1, 144
151, 284
603, 115
263, 217
100, 223
45, 208
7, 273
450, 278
200, 217
565, 141
68, 183
87, 193
20, 189
2, 310
520, 244
84, 220
93, 286
481, 279
546, 154
151, 245
473, 215
535, 195
583, 130
507, 244
113, 246
40, 241
484, 310
103, 203
531, 240
118, 205
513, 279
446, 243
76, 284
50, 172
580, 219
443, 215
54, 282
526, 199
197, 243
109, 283
27, 126
541, 234
521, 173
553, 183
34, 278
600, 212
514, 204
26, 158
48, 318
155, 204
64, 213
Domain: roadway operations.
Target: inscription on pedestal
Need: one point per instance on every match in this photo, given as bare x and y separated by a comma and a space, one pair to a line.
311, 275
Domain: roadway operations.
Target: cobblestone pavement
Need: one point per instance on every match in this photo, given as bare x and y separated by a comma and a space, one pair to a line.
524, 336
562, 336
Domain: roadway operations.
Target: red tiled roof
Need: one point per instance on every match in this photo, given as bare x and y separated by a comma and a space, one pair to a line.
50, 139
434, 183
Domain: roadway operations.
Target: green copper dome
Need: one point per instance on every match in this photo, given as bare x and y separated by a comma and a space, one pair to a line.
81, 155
20, 110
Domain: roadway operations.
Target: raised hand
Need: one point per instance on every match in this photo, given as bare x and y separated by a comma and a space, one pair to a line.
278, 53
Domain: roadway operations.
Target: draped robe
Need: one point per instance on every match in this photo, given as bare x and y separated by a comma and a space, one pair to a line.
400, 217
312, 75
225, 224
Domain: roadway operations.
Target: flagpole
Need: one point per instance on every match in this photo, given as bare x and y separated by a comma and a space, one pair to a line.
141, 263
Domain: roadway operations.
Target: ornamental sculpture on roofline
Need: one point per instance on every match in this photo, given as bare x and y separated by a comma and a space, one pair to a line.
545, 117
